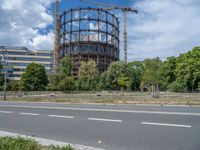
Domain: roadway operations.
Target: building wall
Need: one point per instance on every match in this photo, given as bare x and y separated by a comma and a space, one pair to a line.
18, 58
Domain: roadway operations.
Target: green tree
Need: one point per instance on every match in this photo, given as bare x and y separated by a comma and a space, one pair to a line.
67, 84
102, 81
113, 73
170, 67
54, 81
188, 70
1, 75
177, 87
153, 74
135, 72
34, 78
124, 81
59, 81
88, 75
13, 85
66, 66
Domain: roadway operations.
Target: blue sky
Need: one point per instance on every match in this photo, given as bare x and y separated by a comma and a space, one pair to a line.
162, 28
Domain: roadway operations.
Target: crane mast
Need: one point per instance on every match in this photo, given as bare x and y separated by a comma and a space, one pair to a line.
125, 10
125, 38
56, 36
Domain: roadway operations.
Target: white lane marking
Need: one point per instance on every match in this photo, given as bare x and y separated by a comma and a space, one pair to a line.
48, 142
100, 119
30, 114
165, 124
105, 110
58, 116
6, 112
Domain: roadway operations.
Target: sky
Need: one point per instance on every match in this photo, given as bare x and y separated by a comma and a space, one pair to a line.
162, 28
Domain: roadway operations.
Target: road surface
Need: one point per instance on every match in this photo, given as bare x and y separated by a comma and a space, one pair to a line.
111, 127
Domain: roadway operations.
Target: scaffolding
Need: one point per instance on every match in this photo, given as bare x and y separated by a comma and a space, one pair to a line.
89, 34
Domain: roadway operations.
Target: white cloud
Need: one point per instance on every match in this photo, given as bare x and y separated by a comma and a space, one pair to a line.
43, 41
21, 21
163, 28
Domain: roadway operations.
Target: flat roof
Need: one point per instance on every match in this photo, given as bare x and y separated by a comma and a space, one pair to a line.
24, 48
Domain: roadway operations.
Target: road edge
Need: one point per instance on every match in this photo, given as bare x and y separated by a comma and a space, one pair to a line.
48, 142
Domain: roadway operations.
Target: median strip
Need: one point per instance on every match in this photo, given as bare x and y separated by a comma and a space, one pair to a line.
29, 114
58, 116
165, 124
100, 119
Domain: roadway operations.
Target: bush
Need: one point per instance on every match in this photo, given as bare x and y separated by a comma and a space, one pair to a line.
1, 88
10, 143
13, 85
177, 87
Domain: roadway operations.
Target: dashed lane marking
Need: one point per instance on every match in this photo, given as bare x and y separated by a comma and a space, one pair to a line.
101, 119
58, 116
165, 124
6, 112
30, 114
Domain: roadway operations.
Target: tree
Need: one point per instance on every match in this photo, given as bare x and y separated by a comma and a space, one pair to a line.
13, 85
135, 73
188, 70
66, 66
1, 75
124, 81
54, 82
113, 73
88, 75
34, 78
66, 84
61, 80
170, 67
102, 81
153, 74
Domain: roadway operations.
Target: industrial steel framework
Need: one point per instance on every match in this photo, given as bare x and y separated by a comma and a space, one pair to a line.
125, 10
89, 34
56, 37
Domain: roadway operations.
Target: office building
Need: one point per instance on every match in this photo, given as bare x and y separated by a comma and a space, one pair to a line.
18, 58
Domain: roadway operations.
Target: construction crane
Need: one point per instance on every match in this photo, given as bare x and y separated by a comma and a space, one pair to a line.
124, 10
56, 36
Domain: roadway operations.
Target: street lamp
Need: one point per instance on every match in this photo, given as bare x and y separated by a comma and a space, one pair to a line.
5, 73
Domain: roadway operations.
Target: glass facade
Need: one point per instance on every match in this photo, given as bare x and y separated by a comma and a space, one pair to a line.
18, 58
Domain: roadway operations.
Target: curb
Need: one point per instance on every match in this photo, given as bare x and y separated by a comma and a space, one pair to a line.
48, 142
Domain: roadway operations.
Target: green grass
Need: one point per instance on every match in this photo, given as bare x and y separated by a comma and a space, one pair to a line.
11, 143
109, 97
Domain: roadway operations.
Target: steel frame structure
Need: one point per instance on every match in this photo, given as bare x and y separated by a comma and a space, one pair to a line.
89, 34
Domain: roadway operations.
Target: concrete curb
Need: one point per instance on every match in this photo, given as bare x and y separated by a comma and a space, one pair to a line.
103, 104
48, 142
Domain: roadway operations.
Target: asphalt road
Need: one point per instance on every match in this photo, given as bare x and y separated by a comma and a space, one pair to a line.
111, 127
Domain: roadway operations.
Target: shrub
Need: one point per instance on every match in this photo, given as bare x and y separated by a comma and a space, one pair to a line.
10, 143
177, 87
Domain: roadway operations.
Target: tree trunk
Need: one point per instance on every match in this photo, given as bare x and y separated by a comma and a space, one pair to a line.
155, 91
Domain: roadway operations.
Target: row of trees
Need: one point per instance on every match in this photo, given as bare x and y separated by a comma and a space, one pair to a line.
177, 74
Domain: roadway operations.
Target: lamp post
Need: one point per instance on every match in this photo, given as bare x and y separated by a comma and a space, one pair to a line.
5, 74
